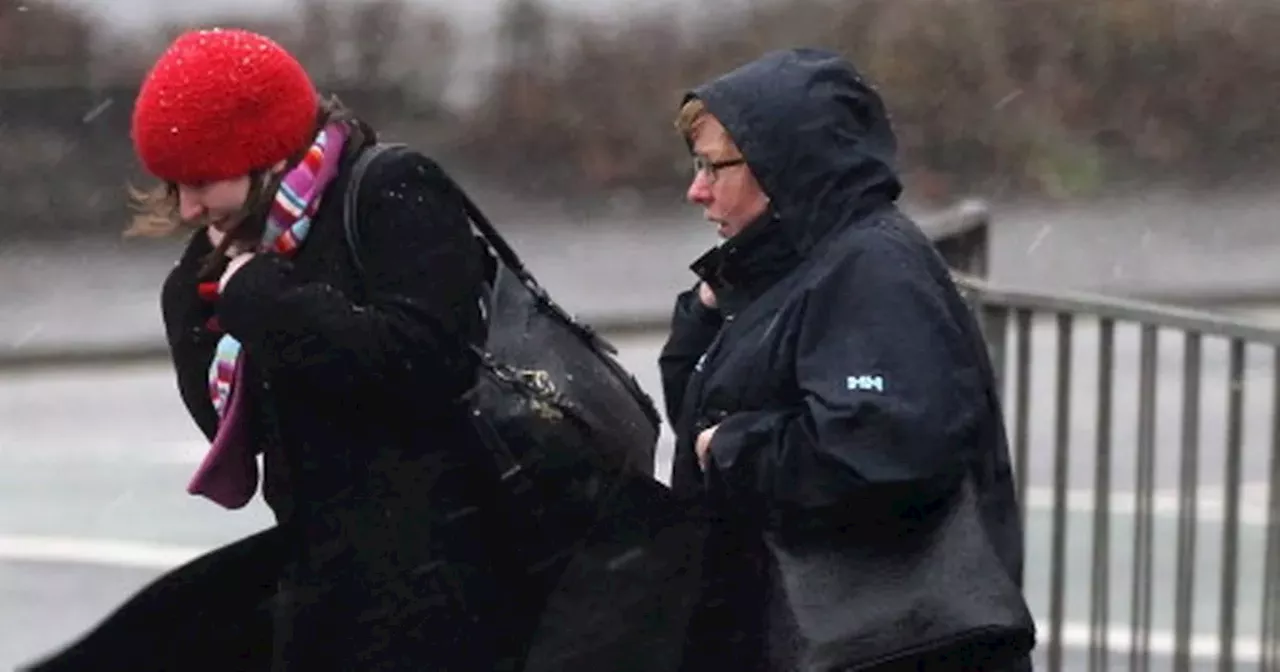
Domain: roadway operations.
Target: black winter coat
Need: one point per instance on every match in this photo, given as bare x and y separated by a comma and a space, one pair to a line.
850, 386
393, 535
393, 551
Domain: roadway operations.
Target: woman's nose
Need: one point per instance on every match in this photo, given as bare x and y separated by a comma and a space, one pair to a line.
190, 206
699, 192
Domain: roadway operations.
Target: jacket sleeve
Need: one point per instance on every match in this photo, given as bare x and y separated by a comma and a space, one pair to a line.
422, 278
191, 343
891, 396
693, 328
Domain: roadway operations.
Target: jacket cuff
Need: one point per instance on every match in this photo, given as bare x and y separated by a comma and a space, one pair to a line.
735, 444
246, 299
705, 315
699, 312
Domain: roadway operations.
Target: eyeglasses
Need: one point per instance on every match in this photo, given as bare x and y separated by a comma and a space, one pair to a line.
702, 164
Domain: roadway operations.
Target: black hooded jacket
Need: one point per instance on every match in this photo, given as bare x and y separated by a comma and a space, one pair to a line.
848, 380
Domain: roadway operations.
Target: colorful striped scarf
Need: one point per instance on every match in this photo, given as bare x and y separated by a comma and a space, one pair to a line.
288, 223
228, 474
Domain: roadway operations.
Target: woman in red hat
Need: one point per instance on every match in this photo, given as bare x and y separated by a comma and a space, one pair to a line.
388, 554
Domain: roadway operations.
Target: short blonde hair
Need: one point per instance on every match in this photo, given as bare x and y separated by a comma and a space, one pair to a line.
690, 114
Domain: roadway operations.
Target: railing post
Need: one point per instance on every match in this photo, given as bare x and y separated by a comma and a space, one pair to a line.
962, 235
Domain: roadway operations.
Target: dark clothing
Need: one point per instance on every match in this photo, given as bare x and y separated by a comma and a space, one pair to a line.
212, 614
388, 510
854, 399
393, 550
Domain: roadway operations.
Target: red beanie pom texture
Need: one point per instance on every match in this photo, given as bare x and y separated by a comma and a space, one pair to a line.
220, 104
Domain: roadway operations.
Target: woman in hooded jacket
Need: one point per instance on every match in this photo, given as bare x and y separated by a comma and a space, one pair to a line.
390, 530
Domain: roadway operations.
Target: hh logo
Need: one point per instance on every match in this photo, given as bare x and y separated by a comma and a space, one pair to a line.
865, 383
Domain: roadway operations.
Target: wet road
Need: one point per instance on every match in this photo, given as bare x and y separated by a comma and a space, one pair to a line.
623, 263
93, 465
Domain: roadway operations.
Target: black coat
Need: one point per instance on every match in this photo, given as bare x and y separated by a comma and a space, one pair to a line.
394, 542
397, 547
851, 389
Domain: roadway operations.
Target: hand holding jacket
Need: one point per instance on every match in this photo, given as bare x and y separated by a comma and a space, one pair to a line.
884, 390
421, 247
237, 261
417, 307
703, 446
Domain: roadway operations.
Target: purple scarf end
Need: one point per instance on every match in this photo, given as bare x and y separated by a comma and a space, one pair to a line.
229, 473
226, 483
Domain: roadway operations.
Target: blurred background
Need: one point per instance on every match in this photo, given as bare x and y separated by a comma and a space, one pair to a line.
1125, 147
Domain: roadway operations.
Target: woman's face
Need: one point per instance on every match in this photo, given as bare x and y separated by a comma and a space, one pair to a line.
213, 203
217, 204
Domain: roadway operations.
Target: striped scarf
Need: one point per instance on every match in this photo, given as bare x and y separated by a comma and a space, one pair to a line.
228, 474
288, 223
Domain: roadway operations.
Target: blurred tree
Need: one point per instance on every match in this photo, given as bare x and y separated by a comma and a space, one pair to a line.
376, 31
425, 59
1034, 97
44, 45
519, 121
317, 51
524, 35
410, 50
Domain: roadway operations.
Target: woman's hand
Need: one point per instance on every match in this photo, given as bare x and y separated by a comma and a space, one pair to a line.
702, 446
706, 296
237, 252
236, 263
216, 237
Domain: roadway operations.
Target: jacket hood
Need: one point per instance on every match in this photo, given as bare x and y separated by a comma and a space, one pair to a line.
815, 135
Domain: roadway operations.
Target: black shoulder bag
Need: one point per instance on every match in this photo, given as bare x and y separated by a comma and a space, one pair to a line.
551, 402
573, 436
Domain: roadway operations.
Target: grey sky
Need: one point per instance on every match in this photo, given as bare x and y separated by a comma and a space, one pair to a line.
126, 14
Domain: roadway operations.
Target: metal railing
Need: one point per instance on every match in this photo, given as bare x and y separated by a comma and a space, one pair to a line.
1152, 474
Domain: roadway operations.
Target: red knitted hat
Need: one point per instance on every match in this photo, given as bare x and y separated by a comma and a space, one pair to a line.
219, 104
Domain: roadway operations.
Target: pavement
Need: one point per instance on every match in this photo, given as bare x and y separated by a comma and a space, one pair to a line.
94, 460
93, 465
618, 264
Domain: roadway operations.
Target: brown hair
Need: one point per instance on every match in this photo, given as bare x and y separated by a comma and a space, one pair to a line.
690, 114
156, 209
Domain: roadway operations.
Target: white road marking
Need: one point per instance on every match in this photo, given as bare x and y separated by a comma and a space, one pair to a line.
110, 552
162, 557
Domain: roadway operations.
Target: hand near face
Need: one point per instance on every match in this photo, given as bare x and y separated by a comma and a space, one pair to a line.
216, 236
236, 264
236, 252
706, 296
702, 446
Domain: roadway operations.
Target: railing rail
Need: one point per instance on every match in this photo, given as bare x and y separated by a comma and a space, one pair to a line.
1247, 591
1118, 309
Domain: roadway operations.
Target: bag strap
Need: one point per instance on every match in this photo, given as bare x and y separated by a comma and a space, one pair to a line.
511, 471
487, 231
500, 247
351, 198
